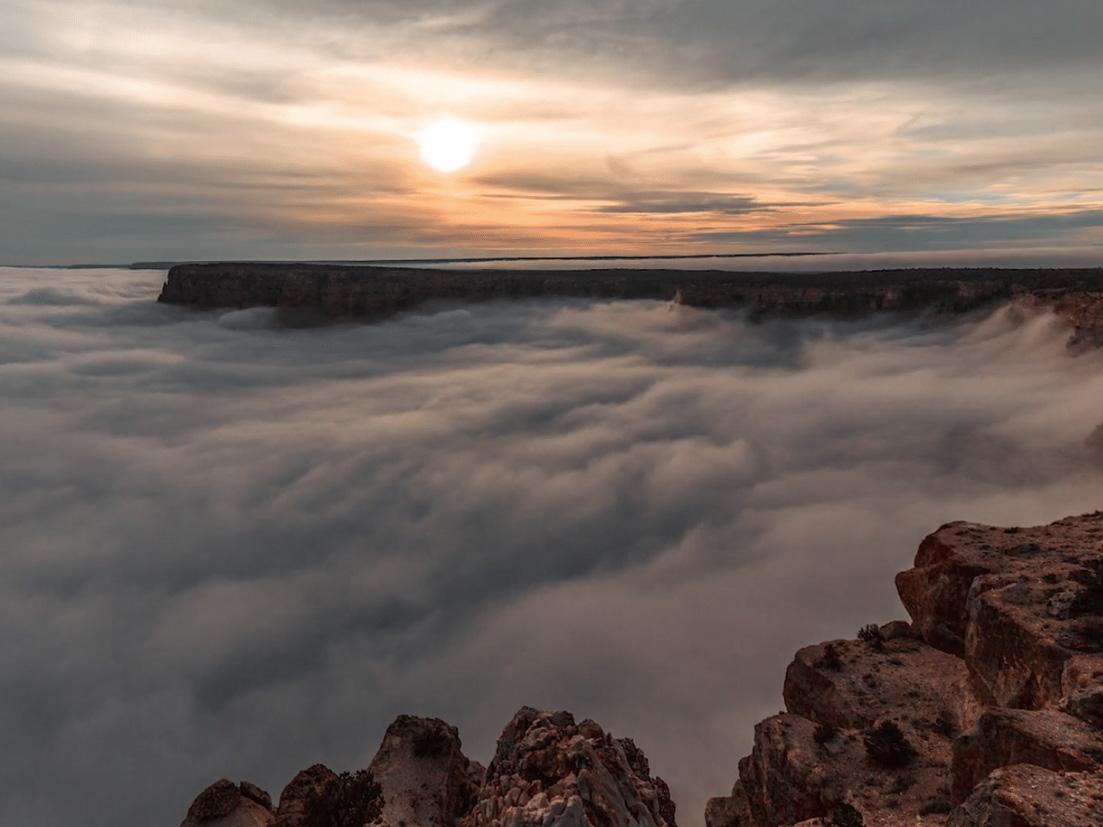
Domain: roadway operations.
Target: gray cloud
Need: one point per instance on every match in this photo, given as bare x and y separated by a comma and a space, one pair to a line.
154, 130
911, 232
721, 41
232, 547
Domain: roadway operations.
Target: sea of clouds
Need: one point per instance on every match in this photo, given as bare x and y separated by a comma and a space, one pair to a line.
234, 547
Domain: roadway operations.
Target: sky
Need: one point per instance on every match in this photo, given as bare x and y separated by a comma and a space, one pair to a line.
233, 548
273, 129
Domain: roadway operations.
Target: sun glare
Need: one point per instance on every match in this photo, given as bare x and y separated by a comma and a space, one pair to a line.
447, 145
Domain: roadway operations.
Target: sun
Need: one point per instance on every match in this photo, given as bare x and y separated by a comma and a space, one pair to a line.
448, 145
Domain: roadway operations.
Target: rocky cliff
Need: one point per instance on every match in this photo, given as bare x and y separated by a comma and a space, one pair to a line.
986, 710
373, 292
548, 770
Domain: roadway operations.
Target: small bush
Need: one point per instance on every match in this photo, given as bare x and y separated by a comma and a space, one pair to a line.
431, 743
871, 636
824, 733
944, 724
1088, 601
937, 806
902, 784
830, 658
349, 800
844, 815
887, 746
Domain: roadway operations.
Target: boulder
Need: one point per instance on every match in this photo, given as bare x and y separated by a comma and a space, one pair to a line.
1029, 796
1046, 738
226, 804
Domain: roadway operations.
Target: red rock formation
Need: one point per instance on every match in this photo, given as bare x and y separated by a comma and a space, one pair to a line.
226, 804
1007, 600
1007, 643
1045, 738
349, 290
425, 777
296, 796
550, 770
547, 770
1027, 796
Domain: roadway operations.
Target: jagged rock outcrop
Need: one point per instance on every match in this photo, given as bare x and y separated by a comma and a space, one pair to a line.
424, 776
992, 698
226, 804
374, 292
549, 770
296, 796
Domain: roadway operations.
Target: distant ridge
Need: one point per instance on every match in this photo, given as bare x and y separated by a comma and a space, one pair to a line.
377, 262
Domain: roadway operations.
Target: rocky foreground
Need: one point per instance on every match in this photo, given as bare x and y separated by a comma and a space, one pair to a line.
375, 292
985, 711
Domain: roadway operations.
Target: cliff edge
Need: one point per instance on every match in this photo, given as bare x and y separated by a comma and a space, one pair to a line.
376, 292
985, 710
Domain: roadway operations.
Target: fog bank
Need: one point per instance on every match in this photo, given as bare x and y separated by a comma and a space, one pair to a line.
235, 548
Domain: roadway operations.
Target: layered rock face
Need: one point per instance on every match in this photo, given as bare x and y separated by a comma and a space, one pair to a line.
986, 710
548, 770
345, 290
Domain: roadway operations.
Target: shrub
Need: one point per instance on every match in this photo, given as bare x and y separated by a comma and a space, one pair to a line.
887, 746
431, 743
936, 806
1088, 601
902, 784
824, 733
830, 658
871, 635
349, 800
944, 724
844, 815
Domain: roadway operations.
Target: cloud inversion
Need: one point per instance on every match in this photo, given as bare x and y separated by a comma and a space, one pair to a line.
236, 548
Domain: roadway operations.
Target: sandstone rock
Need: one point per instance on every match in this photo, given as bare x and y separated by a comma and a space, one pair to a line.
1085, 704
550, 771
868, 683
1029, 796
376, 291
1046, 738
729, 811
792, 776
1007, 634
226, 804
987, 594
425, 777
295, 796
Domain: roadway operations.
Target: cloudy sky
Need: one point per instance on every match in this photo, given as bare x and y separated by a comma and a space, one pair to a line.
233, 548
270, 128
